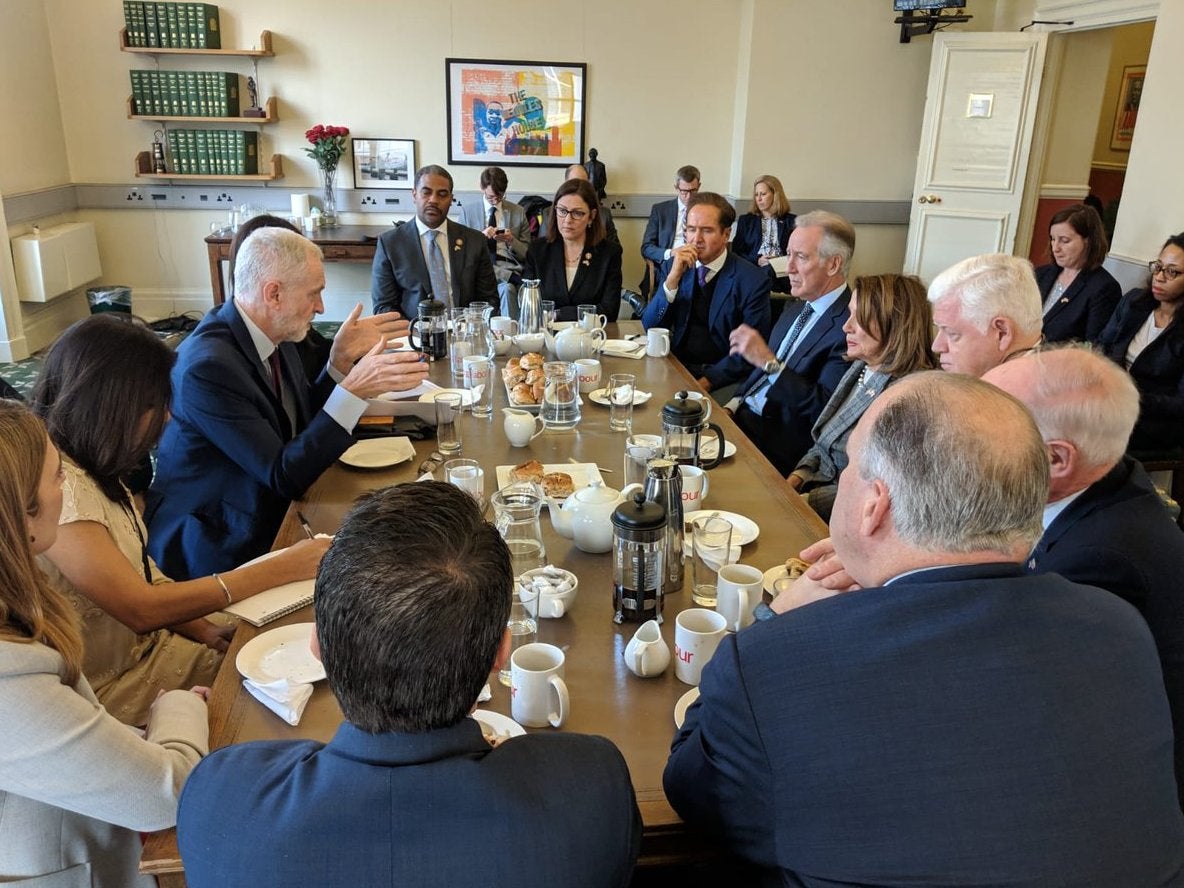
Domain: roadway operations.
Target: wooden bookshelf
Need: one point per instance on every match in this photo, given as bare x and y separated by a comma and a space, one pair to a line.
144, 171
270, 115
264, 52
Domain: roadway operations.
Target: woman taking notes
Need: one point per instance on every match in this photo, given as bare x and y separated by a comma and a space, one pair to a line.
763, 232
888, 335
104, 394
575, 264
75, 784
1079, 295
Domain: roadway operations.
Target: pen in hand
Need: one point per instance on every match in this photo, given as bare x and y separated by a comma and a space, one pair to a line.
304, 523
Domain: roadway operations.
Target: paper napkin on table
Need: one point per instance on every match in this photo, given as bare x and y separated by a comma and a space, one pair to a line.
485, 695
712, 556
636, 353
286, 699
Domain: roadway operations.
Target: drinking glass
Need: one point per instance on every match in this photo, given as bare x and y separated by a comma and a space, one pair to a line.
620, 401
523, 625
448, 407
467, 475
639, 450
547, 307
711, 538
478, 380
459, 344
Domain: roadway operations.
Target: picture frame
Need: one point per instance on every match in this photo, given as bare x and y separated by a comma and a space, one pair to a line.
1130, 94
515, 113
383, 163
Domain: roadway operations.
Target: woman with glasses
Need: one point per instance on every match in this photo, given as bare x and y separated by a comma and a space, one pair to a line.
763, 232
104, 394
1079, 295
576, 264
1147, 337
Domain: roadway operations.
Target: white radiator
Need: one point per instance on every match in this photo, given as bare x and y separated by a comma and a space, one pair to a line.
56, 261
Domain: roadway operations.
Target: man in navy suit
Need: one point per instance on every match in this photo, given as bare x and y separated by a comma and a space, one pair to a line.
799, 366
1104, 524
666, 228
250, 432
987, 310
432, 255
706, 292
950, 719
411, 606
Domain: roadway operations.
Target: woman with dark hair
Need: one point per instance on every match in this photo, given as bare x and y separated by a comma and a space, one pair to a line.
1146, 335
1079, 295
888, 335
75, 784
576, 264
104, 393
763, 232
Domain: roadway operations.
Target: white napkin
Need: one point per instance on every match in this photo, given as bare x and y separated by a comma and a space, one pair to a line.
713, 557
485, 695
286, 699
636, 353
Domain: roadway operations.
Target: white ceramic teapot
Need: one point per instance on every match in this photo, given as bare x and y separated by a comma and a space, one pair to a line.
575, 343
591, 510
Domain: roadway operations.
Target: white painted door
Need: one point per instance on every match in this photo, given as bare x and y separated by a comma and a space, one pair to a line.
975, 140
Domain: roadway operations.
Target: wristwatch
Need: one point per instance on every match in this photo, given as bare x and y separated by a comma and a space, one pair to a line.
772, 366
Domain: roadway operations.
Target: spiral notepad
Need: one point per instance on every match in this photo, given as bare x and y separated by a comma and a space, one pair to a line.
271, 604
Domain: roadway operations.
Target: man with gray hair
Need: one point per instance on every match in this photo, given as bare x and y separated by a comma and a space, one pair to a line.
250, 432
987, 309
952, 720
797, 370
1104, 524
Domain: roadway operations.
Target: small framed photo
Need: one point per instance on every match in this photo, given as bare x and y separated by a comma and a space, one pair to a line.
384, 163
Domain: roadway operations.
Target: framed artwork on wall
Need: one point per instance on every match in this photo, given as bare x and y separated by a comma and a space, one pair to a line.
383, 163
515, 113
1130, 93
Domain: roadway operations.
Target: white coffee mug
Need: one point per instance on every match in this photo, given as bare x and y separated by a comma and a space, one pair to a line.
475, 370
657, 342
537, 690
697, 633
588, 371
703, 400
694, 487
647, 654
503, 328
738, 590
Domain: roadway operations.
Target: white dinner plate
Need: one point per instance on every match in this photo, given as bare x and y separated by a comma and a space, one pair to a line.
582, 474
466, 396
600, 396
683, 704
378, 453
502, 726
709, 447
744, 530
280, 653
772, 575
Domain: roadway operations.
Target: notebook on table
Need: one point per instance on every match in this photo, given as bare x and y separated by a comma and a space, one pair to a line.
271, 604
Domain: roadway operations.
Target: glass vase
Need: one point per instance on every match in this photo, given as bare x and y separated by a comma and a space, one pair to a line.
329, 197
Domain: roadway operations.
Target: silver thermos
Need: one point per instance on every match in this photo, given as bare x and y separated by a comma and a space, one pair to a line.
530, 308
663, 485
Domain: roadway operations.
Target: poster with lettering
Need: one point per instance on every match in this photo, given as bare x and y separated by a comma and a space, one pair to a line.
515, 113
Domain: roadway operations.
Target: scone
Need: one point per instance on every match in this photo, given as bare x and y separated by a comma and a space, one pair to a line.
533, 376
513, 376
531, 471
531, 361
523, 394
796, 567
557, 484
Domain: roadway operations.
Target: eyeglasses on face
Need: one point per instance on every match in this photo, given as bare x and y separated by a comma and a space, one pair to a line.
564, 212
687, 192
1169, 272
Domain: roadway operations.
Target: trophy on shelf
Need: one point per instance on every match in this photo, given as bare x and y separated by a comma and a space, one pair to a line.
158, 166
253, 110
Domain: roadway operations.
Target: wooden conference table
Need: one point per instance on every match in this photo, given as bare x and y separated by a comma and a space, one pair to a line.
341, 243
636, 714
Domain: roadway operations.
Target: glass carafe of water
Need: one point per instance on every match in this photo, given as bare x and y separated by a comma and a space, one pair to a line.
516, 517
561, 396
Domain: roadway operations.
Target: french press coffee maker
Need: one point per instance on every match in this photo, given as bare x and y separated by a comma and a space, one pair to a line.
431, 325
683, 422
639, 551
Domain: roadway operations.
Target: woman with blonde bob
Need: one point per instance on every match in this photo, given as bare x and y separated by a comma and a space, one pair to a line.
75, 783
888, 336
763, 232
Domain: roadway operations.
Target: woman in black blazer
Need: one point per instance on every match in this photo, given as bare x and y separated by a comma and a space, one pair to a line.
576, 264
1079, 295
768, 202
1146, 335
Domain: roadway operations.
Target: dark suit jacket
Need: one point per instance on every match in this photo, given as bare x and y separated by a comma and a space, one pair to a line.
747, 240
813, 371
228, 464
659, 230
1119, 537
1158, 371
963, 725
597, 282
1083, 309
400, 280
435, 809
741, 297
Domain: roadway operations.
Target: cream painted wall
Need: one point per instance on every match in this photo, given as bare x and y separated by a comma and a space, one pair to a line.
1153, 195
1074, 107
1131, 46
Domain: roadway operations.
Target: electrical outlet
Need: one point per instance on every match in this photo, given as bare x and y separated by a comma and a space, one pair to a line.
225, 197
618, 206
369, 201
134, 194
391, 201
